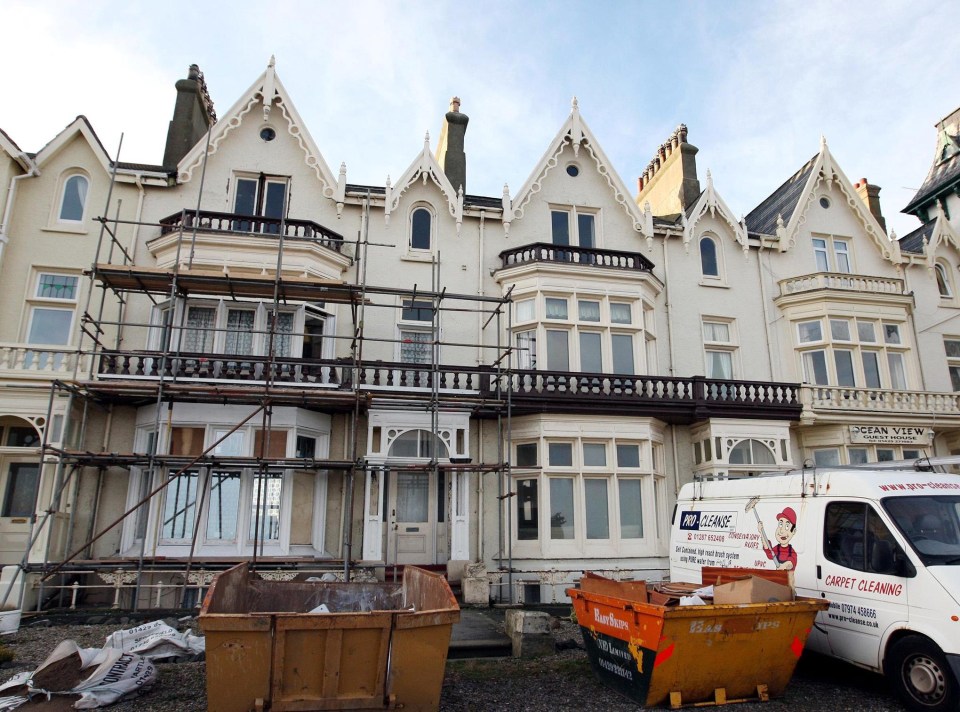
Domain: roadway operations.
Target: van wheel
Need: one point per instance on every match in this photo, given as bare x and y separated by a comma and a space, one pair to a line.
921, 676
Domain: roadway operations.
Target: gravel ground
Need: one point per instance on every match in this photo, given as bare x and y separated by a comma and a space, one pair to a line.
561, 682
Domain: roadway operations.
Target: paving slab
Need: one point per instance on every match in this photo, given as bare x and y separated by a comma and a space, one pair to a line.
479, 634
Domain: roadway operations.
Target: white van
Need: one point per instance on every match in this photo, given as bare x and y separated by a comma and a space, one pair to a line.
881, 544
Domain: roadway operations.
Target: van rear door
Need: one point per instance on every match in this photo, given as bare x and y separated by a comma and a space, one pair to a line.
861, 570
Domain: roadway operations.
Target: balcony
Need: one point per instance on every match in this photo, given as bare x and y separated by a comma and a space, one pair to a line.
571, 254
41, 362
675, 400
841, 282
873, 401
211, 222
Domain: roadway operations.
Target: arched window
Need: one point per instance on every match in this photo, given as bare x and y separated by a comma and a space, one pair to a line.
709, 263
73, 201
943, 280
420, 229
418, 443
751, 452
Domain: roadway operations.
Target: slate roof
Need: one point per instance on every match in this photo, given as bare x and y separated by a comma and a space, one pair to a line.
142, 167
943, 174
477, 201
913, 242
762, 219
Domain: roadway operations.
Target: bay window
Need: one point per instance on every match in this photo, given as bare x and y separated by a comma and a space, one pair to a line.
852, 355
590, 334
598, 494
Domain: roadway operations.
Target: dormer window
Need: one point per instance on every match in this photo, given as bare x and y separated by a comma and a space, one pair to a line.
943, 280
421, 229
709, 261
73, 201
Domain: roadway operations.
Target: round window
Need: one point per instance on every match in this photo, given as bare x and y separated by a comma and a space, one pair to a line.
267, 133
824, 202
573, 170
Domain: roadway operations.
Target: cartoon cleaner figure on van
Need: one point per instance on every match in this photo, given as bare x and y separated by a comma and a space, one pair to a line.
783, 554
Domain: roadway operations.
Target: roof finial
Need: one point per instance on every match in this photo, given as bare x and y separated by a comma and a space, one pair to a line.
823, 141
575, 105
273, 61
455, 104
426, 141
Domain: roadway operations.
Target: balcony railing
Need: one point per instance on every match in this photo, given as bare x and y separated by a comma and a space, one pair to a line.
571, 254
870, 400
209, 221
841, 281
670, 399
331, 373
40, 361
695, 394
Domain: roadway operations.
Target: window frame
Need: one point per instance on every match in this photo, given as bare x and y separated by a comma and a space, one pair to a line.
728, 348
65, 178
706, 276
414, 329
944, 278
431, 214
831, 252
38, 303
261, 182
875, 346
610, 535
557, 339
216, 335
573, 214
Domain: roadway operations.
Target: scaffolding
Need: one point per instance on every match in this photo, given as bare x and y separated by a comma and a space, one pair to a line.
347, 385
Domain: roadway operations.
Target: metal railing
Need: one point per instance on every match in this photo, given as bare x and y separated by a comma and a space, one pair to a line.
572, 254
210, 221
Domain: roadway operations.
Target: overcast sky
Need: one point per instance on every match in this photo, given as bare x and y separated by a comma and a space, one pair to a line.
757, 83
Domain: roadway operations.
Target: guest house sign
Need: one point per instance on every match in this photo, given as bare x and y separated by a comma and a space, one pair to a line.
890, 434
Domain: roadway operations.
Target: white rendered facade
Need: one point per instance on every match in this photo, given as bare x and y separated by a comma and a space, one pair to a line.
639, 346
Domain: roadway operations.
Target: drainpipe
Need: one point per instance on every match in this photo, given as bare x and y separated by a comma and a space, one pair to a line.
480, 356
775, 376
666, 306
132, 251
11, 192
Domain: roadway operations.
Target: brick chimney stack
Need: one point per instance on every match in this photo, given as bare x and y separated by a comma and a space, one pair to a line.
670, 182
870, 195
450, 153
193, 114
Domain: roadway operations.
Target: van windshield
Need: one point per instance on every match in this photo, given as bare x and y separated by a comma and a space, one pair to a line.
931, 524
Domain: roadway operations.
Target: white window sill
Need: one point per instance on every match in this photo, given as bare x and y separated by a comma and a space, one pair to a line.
411, 256
713, 282
78, 229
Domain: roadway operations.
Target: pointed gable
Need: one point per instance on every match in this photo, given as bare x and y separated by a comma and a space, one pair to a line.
784, 212
267, 95
425, 168
944, 173
575, 133
929, 237
710, 203
79, 126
